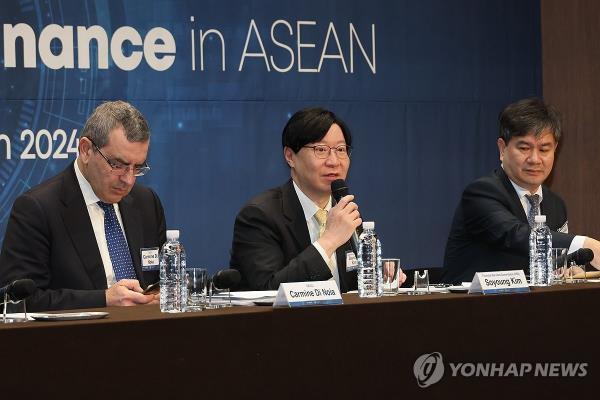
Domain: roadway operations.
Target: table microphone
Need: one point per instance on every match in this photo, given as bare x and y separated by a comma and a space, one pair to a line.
18, 290
226, 278
579, 257
339, 189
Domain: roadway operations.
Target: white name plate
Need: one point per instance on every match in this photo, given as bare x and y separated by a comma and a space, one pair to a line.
499, 282
302, 294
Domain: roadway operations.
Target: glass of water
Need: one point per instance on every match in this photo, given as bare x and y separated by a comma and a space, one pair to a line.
559, 266
391, 276
195, 279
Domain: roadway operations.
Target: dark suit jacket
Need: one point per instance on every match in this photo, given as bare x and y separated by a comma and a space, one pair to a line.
490, 231
271, 244
49, 238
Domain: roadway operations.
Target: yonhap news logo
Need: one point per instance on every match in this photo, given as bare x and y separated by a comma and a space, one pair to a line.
429, 369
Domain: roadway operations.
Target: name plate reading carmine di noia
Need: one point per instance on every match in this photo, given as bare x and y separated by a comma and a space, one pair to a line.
302, 294
499, 282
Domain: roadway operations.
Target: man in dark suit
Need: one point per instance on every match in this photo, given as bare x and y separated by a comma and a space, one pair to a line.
79, 234
491, 225
281, 235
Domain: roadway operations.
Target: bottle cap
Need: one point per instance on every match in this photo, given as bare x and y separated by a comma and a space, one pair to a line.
540, 218
368, 225
173, 234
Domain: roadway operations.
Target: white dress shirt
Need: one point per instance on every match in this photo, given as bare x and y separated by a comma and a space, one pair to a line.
576, 243
310, 208
97, 218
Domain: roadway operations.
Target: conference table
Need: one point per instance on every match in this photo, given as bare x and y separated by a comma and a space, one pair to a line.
363, 349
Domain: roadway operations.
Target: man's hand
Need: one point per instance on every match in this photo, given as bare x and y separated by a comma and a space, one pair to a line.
594, 245
402, 277
128, 292
342, 221
388, 273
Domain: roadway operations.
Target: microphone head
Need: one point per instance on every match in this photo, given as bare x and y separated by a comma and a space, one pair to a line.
227, 278
339, 189
583, 256
21, 288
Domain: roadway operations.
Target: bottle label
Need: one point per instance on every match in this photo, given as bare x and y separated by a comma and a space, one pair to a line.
149, 258
499, 282
302, 294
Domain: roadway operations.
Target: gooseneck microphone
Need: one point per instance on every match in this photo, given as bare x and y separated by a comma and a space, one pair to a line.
17, 290
339, 189
226, 278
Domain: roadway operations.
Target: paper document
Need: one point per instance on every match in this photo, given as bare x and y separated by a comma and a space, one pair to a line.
253, 295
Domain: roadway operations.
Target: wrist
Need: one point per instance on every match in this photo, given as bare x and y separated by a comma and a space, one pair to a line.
328, 246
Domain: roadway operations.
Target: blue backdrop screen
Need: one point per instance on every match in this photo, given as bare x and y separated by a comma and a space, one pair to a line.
419, 83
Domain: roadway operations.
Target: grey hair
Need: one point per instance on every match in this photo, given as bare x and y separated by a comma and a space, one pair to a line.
114, 114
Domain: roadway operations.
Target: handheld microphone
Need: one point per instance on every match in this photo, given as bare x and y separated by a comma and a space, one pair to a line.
339, 189
226, 278
18, 290
579, 257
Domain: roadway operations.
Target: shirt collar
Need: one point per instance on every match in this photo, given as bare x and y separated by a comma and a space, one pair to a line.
88, 193
521, 192
308, 206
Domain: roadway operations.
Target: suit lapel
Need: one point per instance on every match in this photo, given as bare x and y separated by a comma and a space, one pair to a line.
132, 222
292, 210
79, 227
514, 202
345, 277
555, 218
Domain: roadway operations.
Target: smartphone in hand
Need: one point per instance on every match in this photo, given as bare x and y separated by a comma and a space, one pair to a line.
152, 288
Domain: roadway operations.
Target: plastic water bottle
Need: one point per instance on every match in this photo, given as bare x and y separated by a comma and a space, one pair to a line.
173, 290
540, 253
370, 278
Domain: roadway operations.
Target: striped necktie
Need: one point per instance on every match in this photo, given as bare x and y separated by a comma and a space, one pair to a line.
534, 201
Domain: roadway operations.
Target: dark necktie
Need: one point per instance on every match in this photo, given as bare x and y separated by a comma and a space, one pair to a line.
534, 201
117, 245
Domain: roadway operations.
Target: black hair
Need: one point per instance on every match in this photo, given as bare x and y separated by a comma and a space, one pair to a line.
527, 116
310, 125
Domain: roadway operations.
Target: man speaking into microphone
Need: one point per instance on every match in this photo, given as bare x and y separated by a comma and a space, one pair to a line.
293, 233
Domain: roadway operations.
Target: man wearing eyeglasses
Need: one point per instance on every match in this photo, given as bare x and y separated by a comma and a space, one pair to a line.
80, 234
294, 233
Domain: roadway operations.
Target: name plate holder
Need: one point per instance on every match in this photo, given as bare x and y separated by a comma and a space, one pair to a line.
303, 294
497, 282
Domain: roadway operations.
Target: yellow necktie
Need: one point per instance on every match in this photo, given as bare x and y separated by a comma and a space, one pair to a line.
321, 216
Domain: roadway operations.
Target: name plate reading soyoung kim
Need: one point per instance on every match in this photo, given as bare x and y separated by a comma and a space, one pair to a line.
499, 282
302, 294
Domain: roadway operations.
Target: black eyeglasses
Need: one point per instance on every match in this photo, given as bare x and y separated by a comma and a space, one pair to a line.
120, 169
322, 151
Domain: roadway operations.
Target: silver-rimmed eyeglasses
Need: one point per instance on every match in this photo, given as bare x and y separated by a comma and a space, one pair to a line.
323, 151
118, 168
